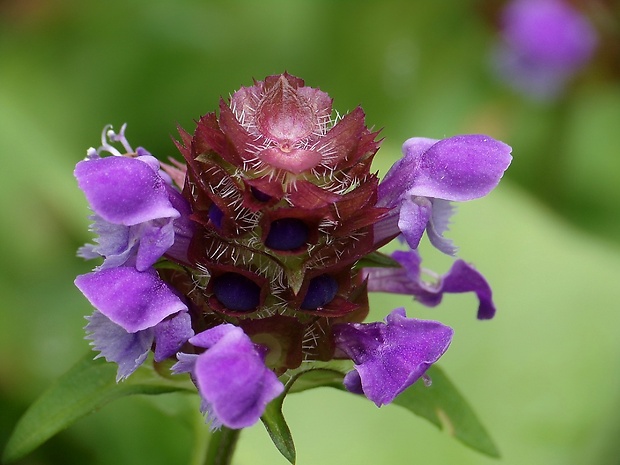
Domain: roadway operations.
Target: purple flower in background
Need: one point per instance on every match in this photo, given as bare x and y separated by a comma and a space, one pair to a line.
419, 187
242, 264
231, 375
407, 279
389, 357
543, 44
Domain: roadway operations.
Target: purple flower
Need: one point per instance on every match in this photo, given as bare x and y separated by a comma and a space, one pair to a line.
419, 187
232, 379
389, 357
134, 214
134, 309
129, 350
407, 280
138, 217
544, 42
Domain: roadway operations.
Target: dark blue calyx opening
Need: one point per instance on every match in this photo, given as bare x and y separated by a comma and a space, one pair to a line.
216, 215
260, 196
236, 292
287, 234
321, 291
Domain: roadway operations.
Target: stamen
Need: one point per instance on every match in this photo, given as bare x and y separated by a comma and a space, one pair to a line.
108, 136
92, 154
120, 137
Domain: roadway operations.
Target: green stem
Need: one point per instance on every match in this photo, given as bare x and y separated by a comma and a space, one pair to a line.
222, 446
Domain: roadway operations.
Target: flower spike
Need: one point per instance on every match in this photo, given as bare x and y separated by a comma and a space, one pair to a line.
251, 261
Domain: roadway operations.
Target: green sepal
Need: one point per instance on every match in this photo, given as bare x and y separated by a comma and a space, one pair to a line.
316, 377
376, 260
278, 429
273, 419
86, 387
443, 405
440, 403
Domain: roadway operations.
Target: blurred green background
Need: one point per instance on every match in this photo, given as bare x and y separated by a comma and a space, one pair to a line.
543, 375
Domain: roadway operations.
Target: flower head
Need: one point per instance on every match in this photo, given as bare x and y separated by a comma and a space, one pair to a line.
262, 231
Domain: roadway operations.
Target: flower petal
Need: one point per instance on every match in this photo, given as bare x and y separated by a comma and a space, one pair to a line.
232, 377
458, 168
124, 190
442, 211
389, 357
132, 299
462, 277
402, 174
171, 334
156, 237
114, 242
128, 350
414, 215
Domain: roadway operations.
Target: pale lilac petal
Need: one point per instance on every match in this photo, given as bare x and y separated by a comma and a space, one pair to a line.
186, 363
438, 224
156, 237
171, 334
115, 242
127, 350
132, 299
124, 190
389, 357
88, 251
415, 213
232, 377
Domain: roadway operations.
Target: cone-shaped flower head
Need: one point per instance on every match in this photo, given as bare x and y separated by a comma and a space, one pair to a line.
261, 232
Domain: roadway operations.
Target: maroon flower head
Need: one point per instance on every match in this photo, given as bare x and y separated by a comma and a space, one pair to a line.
255, 257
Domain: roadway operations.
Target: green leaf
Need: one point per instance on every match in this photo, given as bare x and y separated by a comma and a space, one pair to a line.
377, 260
273, 419
317, 377
86, 387
446, 408
278, 430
